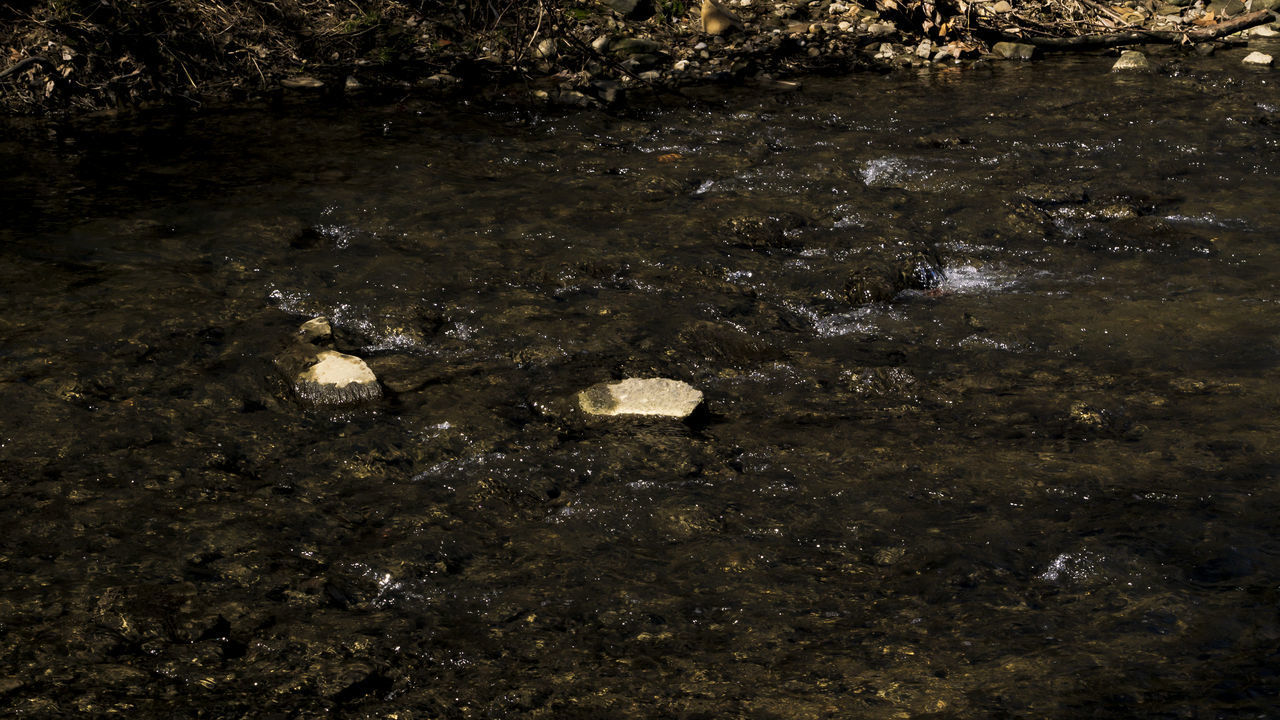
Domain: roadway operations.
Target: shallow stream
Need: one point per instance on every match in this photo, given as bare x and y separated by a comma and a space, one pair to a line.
1039, 482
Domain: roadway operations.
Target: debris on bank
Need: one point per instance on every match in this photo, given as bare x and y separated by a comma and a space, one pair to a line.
121, 54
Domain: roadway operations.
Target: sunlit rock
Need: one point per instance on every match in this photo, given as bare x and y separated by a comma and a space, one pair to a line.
634, 396
1131, 60
1257, 58
337, 379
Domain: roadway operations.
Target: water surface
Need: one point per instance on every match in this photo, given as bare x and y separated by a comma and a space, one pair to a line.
1044, 487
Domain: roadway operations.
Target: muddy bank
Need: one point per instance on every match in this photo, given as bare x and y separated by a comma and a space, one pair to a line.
93, 55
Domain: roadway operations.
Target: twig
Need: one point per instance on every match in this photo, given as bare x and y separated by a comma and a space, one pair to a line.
1138, 37
22, 65
1103, 8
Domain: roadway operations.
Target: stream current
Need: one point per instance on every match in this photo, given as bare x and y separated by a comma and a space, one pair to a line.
1042, 484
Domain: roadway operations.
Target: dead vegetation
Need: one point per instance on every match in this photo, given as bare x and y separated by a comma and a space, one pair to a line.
94, 53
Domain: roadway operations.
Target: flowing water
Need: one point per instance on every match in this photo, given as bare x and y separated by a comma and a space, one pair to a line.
1039, 481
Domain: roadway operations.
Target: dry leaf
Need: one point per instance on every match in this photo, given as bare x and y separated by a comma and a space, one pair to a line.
1205, 20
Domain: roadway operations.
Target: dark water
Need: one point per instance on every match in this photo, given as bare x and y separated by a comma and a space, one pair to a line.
1043, 488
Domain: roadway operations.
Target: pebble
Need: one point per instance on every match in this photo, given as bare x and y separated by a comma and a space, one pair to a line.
635, 396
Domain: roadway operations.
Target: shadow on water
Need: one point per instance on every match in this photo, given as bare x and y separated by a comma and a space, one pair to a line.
989, 362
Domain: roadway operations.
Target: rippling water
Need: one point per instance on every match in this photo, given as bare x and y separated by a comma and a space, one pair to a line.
1044, 487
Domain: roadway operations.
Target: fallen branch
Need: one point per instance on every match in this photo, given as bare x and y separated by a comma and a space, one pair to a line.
30, 62
1139, 37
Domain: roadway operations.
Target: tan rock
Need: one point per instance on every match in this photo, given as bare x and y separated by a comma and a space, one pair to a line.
337, 379
302, 82
1131, 60
635, 396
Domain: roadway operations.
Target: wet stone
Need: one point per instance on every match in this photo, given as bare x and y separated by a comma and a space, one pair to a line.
302, 82
880, 279
1257, 58
634, 396
763, 232
315, 330
337, 379
1131, 60
1014, 51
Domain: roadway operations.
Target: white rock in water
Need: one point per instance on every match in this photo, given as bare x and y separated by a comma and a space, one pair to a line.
634, 396
337, 379
1131, 60
1257, 58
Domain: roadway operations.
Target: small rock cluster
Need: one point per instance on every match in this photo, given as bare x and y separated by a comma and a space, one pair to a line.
322, 378
325, 378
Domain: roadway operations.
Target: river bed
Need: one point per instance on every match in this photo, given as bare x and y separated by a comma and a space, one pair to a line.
1039, 482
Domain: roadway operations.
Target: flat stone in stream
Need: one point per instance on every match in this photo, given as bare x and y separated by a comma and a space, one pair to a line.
1257, 58
302, 82
337, 379
1131, 60
634, 396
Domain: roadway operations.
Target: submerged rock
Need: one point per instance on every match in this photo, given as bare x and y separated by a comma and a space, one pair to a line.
762, 231
1014, 51
337, 379
1131, 60
635, 396
881, 278
302, 82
